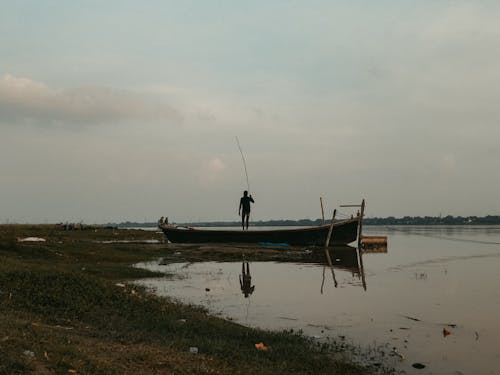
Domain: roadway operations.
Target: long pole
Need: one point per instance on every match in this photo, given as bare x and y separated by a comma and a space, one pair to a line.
244, 163
360, 229
330, 230
329, 260
322, 210
327, 252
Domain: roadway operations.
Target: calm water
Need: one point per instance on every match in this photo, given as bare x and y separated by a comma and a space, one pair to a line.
430, 279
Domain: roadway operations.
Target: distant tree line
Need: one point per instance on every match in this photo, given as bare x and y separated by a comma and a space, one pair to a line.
391, 220
434, 220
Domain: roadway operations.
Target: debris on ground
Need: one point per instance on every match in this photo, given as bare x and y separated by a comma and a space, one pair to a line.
395, 352
31, 239
29, 353
260, 346
412, 318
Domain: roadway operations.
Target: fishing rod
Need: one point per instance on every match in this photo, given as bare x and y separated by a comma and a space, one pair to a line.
244, 163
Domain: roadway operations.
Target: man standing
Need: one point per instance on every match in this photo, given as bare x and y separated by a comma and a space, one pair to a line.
245, 205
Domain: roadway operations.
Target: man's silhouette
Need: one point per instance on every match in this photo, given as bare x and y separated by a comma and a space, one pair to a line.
246, 280
244, 209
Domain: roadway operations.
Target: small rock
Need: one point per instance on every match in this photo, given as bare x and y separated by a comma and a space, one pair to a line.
207, 289
418, 366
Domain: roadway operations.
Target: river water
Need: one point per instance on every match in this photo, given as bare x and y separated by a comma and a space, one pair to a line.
432, 297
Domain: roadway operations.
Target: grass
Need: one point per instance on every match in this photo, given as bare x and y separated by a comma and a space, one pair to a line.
63, 312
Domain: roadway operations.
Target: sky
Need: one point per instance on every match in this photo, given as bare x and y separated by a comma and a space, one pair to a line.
127, 110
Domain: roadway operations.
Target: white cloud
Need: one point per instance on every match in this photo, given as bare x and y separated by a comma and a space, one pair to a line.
211, 170
464, 22
25, 100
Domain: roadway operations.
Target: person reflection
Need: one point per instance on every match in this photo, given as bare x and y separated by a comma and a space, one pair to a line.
246, 280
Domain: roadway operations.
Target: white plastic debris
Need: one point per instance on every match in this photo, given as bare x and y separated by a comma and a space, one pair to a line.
193, 350
31, 239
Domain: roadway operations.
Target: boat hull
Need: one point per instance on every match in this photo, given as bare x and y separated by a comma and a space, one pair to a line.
344, 232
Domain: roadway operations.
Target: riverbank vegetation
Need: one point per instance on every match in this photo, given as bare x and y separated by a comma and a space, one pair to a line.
67, 307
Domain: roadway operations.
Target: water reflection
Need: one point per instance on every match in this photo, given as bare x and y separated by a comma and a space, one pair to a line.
350, 259
428, 282
246, 280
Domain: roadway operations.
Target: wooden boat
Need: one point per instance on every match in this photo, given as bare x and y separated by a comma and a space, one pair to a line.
344, 232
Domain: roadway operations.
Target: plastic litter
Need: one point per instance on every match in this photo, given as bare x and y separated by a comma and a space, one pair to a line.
260, 346
31, 239
272, 244
193, 350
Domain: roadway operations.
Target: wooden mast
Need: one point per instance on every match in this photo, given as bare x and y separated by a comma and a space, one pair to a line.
322, 210
360, 228
327, 252
330, 230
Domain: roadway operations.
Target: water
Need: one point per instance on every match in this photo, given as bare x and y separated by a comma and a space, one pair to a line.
432, 280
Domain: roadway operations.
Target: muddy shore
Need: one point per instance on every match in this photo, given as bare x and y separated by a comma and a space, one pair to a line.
67, 308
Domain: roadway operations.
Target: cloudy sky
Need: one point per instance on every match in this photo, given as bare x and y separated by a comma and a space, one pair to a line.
127, 110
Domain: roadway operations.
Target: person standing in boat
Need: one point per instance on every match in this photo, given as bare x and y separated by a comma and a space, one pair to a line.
244, 209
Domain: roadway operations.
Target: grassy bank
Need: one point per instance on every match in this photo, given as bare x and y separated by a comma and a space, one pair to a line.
66, 308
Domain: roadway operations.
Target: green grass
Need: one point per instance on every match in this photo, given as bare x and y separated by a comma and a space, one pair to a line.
59, 300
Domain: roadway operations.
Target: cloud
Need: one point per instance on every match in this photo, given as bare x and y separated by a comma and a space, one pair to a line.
211, 170
27, 101
463, 23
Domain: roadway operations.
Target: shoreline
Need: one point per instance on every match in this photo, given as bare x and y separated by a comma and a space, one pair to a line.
69, 308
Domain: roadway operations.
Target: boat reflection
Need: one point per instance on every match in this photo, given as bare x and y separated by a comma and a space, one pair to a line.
338, 258
346, 258
350, 259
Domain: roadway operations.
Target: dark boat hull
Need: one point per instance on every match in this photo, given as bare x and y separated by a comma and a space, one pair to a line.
344, 232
